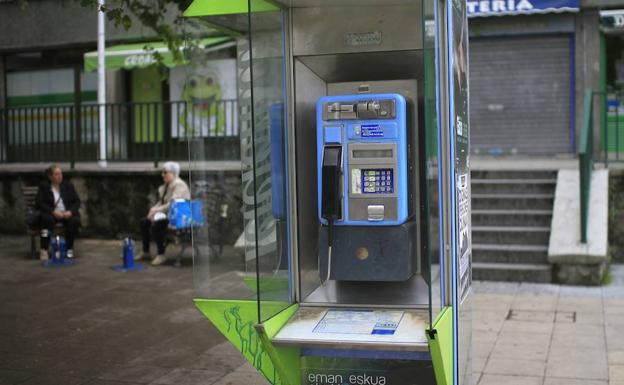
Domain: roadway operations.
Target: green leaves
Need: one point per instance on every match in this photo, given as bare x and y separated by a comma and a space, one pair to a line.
164, 17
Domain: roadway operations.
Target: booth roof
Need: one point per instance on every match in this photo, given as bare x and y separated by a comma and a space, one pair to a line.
226, 7
139, 55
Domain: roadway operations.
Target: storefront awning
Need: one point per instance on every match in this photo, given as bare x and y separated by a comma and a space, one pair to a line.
481, 8
130, 56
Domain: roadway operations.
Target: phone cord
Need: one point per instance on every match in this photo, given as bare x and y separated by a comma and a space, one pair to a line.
330, 243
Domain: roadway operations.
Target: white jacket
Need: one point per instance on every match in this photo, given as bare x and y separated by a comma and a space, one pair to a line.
177, 189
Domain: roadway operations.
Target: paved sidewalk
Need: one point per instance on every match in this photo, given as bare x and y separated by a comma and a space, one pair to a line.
535, 334
88, 325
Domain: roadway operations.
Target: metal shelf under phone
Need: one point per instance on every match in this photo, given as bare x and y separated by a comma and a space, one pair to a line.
301, 330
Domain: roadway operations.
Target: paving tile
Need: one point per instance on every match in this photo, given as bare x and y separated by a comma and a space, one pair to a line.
567, 381
579, 335
246, 367
482, 349
11, 377
587, 317
614, 319
565, 316
107, 382
493, 302
495, 379
586, 364
527, 338
478, 365
188, 377
581, 292
514, 367
580, 304
615, 337
488, 321
225, 348
532, 316
527, 327
48, 379
616, 373
479, 336
520, 350
580, 329
539, 289
616, 357
240, 378
215, 361
535, 302
613, 306
497, 288
140, 374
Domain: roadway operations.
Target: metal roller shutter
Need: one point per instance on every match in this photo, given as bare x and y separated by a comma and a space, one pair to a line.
520, 95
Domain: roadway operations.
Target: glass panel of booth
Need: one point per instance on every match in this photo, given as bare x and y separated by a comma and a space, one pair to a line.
242, 254
269, 137
224, 265
316, 78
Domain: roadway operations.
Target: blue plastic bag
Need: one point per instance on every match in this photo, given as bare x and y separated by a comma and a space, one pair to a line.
184, 214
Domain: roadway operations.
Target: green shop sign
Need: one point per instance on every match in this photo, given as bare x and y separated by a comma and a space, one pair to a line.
141, 55
612, 20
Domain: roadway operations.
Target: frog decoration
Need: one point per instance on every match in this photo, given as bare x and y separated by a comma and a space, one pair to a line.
204, 113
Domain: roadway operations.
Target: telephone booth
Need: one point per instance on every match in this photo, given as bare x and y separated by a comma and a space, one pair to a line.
352, 260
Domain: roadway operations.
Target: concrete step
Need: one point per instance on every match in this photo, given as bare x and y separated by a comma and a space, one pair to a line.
530, 235
511, 217
513, 174
513, 186
513, 253
512, 201
512, 272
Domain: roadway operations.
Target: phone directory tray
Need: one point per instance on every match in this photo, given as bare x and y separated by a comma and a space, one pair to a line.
373, 329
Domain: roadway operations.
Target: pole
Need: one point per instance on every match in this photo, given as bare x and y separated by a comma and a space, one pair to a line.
101, 83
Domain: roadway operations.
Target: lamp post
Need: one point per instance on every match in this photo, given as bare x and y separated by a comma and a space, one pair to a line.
101, 83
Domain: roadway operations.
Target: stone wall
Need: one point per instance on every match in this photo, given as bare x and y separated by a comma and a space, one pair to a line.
114, 202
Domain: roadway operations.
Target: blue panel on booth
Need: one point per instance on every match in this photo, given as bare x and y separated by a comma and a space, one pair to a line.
333, 134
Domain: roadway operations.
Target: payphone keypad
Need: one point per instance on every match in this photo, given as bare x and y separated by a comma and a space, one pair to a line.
378, 181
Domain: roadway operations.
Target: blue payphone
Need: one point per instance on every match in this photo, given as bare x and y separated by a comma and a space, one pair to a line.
363, 190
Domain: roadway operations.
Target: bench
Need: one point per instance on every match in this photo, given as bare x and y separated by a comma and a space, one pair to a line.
29, 193
184, 239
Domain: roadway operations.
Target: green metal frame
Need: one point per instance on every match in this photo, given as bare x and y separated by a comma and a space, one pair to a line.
237, 320
441, 346
604, 135
200, 8
586, 160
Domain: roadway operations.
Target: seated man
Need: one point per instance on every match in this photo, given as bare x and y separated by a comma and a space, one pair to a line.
57, 202
155, 224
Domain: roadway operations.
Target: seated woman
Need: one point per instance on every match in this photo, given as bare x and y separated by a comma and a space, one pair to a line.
155, 224
57, 202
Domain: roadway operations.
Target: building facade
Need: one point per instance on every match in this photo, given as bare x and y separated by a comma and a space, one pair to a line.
530, 64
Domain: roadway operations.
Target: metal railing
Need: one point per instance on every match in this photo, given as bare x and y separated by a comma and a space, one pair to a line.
134, 132
612, 126
586, 160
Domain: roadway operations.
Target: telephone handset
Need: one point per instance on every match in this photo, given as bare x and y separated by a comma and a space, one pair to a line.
331, 198
331, 181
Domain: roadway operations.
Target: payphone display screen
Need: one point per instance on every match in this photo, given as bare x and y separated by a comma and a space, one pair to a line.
378, 181
372, 153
